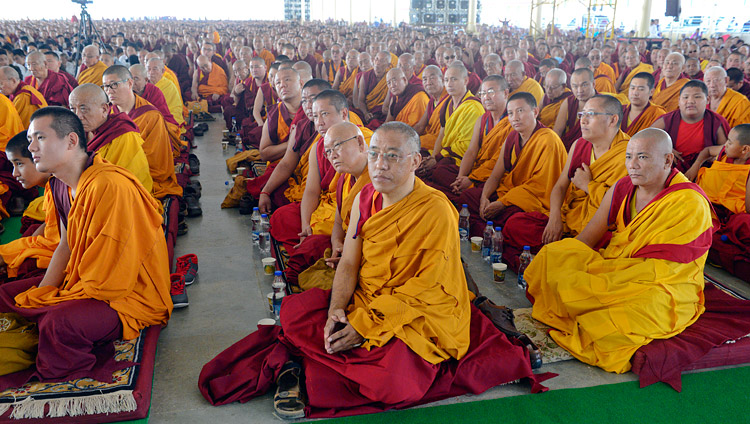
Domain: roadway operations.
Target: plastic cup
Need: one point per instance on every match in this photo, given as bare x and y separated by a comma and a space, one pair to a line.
241, 170
267, 321
269, 265
498, 272
269, 296
224, 145
476, 244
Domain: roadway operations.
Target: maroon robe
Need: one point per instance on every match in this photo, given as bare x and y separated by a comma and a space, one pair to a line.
712, 122
55, 88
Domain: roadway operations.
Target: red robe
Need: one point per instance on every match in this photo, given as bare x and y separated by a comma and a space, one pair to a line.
55, 88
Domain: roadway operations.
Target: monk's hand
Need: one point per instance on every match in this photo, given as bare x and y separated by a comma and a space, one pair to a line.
553, 230
215, 97
462, 183
492, 209
582, 178
239, 88
368, 116
336, 318
195, 94
340, 336
264, 203
428, 163
336, 249
483, 202
677, 155
306, 232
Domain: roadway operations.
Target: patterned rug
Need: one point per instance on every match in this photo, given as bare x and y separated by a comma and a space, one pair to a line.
127, 397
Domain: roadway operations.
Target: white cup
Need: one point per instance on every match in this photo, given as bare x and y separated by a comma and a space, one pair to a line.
267, 321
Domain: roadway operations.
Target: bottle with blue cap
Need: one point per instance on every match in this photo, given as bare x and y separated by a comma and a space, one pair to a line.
524, 260
489, 232
264, 235
279, 291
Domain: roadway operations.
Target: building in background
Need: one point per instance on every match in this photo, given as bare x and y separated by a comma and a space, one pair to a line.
441, 12
293, 10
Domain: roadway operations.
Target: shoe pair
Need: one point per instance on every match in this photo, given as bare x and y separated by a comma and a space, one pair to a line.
194, 163
193, 206
193, 188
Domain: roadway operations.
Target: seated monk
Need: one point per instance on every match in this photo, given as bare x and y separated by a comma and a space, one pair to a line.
737, 82
304, 70
92, 68
595, 163
457, 120
490, 132
373, 88
555, 92
647, 283
667, 91
230, 103
527, 168
109, 275
520, 82
408, 101
567, 123
53, 86
602, 83
601, 69
26, 99
53, 63
152, 94
118, 84
328, 68
733, 106
209, 81
346, 75
401, 314
640, 113
693, 68
633, 65
10, 121
157, 76
407, 63
429, 125
265, 98
27, 255
113, 136
692, 127
727, 185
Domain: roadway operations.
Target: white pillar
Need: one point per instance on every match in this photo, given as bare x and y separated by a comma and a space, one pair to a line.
471, 26
645, 19
395, 22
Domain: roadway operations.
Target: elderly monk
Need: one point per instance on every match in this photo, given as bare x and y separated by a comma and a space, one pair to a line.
693, 68
520, 82
26, 99
493, 64
429, 125
109, 276
157, 76
233, 103
457, 119
92, 68
53, 63
640, 113
602, 84
693, 127
408, 101
667, 90
373, 88
527, 168
633, 65
304, 70
209, 81
733, 106
329, 68
52, 85
647, 283
407, 64
113, 136
411, 312
595, 163
118, 84
567, 123
346, 75
555, 92
727, 185
601, 69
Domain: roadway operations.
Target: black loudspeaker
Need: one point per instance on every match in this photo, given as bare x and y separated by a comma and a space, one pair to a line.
673, 8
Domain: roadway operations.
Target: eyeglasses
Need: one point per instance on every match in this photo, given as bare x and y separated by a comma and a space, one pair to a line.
336, 148
113, 85
449, 57
589, 114
490, 92
390, 158
553, 87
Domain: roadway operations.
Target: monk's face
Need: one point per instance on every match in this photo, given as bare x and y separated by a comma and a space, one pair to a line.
344, 150
553, 87
455, 82
91, 113
52, 63
48, 151
37, 66
396, 82
336, 53
155, 71
514, 75
733, 148
522, 116
118, 90
288, 85
646, 164
672, 66
692, 103
324, 115
746, 67
240, 70
352, 59
595, 56
639, 92
257, 69
365, 62
493, 66
692, 67
493, 97
582, 86
7, 85
432, 83
24, 170
706, 52
390, 162
90, 56
382, 62
716, 83
632, 59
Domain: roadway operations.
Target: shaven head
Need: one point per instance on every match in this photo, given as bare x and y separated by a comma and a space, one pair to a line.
204, 63
672, 65
493, 65
738, 143
396, 81
56, 139
648, 158
494, 93
90, 104
584, 62
24, 170
522, 112
603, 125
35, 61
554, 83
582, 84
716, 81
456, 78
329, 108
140, 77
346, 149
514, 74
432, 81
9, 80
155, 69
304, 69
406, 62
90, 55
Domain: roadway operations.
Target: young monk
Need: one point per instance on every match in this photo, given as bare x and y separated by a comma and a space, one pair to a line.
641, 112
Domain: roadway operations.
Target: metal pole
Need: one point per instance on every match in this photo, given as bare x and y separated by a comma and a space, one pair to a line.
350, 12
335, 10
471, 26
370, 12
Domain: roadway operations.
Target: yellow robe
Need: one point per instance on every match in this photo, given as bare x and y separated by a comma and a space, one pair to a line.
642, 67
432, 130
22, 103
93, 74
127, 152
10, 121
118, 251
604, 69
669, 97
347, 85
725, 183
735, 107
411, 284
413, 111
489, 150
171, 76
645, 119
548, 115
529, 85
605, 305
299, 177
216, 83
375, 97
459, 127
172, 96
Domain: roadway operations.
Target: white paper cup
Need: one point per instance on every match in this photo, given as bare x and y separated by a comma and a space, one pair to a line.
498, 272
269, 265
269, 296
241, 170
476, 244
224, 145
267, 321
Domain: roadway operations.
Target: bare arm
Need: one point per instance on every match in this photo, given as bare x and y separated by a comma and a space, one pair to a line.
337, 80
194, 88
39, 230
491, 185
562, 118
280, 174
659, 123
311, 195
337, 240
554, 228
55, 274
596, 228
422, 123
257, 106
386, 102
269, 151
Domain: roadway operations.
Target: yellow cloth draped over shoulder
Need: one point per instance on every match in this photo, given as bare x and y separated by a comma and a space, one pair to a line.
10, 121
27, 101
213, 83
93, 74
413, 111
119, 258
411, 283
646, 284
668, 97
735, 107
725, 184
529, 85
299, 177
126, 150
459, 126
374, 98
489, 151
548, 114
642, 67
432, 130
349, 193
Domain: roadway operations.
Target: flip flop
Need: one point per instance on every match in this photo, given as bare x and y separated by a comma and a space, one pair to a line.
288, 401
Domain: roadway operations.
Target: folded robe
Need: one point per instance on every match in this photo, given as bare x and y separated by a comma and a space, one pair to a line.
551, 107
492, 139
410, 105
55, 88
431, 131
10, 121
27, 100
668, 97
458, 123
92, 74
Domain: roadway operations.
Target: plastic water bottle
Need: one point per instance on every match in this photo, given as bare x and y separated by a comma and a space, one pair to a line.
279, 291
725, 238
264, 236
463, 222
497, 246
489, 232
255, 218
525, 260
228, 185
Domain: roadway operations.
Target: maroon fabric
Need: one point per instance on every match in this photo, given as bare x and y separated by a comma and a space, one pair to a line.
733, 254
28, 226
273, 122
305, 134
153, 95
61, 197
581, 155
286, 225
573, 125
255, 185
55, 88
171, 226
726, 318
325, 169
513, 143
400, 101
251, 132
14, 187
712, 123
34, 100
442, 176
116, 125
522, 229
547, 101
303, 257
179, 65
625, 112
475, 82
471, 198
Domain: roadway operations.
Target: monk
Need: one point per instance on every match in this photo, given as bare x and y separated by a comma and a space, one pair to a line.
602, 84
53, 86
633, 65
692, 127
601, 68
118, 84
667, 91
429, 125
26, 99
640, 113
81, 303
595, 163
727, 186
233, 103
374, 312
92, 68
329, 68
209, 81
555, 92
53, 63
527, 168
156, 72
373, 88
647, 283
733, 106
10, 121
113, 136
567, 123
408, 101
693, 68
515, 75
346, 75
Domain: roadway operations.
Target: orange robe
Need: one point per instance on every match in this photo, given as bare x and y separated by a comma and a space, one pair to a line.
27, 100
491, 143
93, 74
725, 183
647, 117
604, 69
299, 177
642, 67
346, 85
668, 97
432, 130
529, 85
118, 253
735, 108
267, 56
213, 83
458, 126
604, 85
375, 89
10, 121
410, 109
548, 113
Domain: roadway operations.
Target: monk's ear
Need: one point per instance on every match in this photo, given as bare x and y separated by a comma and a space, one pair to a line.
668, 160
535, 111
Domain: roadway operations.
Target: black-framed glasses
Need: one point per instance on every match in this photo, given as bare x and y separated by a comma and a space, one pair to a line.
113, 85
337, 147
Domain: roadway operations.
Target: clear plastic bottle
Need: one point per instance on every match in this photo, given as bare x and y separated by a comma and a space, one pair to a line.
228, 185
463, 222
279, 291
524, 260
497, 246
489, 232
264, 236
255, 218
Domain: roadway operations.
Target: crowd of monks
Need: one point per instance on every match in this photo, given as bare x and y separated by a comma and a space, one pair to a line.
623, 164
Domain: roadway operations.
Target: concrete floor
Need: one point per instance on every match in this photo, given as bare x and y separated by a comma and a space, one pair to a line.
229, 299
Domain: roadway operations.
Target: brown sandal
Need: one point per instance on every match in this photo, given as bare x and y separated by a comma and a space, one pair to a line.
288, 401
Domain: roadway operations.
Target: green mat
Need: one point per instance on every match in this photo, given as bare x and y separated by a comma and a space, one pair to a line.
707, 397
12, 225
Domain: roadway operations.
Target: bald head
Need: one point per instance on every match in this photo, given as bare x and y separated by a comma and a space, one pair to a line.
7, 72
649, 157
406, 62
657, 139
90, 55
90, 104
305, 71
90, 94
346, 149
204, 63
514, 74
716, 80
9, 80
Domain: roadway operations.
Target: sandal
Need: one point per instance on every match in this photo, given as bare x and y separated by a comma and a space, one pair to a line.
288, 402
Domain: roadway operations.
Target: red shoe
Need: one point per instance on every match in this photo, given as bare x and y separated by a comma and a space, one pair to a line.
187, 266
177, 291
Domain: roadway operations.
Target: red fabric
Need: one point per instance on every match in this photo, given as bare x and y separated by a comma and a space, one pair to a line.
690, 138
442, 176
286, 225
522, 229
726, 318
325, 169
712, 123
471, 198
573, 124
733, 254
28, 226
581, 155
303, 257
55, 88
34, 100
474, 83
116, 125
370, 202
